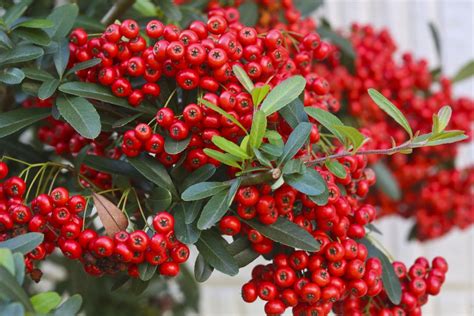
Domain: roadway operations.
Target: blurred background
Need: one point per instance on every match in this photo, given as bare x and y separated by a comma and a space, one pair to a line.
407, 21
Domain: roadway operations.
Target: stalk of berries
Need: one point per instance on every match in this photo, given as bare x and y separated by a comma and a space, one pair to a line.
59, 217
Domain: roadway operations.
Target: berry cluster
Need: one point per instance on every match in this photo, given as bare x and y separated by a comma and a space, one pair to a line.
418, 282
59, 217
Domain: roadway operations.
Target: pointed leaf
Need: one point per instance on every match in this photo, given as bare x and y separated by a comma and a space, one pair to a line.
229, 147
35, 24
295, 141
199, 175
259, 126
19, 260
213, 249
309, 182
61, 57
110, 215
243, 78
15, 12
389, 108
174, 147
35, 36
259, 93
71, 306
124, 121
465, 72
6, 260
444, 116
386, 181
37, 74
284, 93
84, 65
355, 137
81, 114
203, 190
20, 54
185, 233
214, 210
202, 269
63, 18
222, 112
326, 119
294, 113
11, 290
160, 198
146, 271
227, 159
48, 88
336, 168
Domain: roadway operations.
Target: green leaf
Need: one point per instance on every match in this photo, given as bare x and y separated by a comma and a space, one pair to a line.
192, 211
61, 57
243, 78
222, 112
95, 92
213, 211
37, 74
389, 108
13, 121
213, 249
233, 190
160, 198
307, 7
10, 289
326, 119
124, 121
12, 76
436, 39
284, 93
15, 11
336, 168
6, 260
443, 118
272, 150
286, 233
248, 13
84, 65
111, 166
35, 24
71, 306
355, 137
226, 159
19, 267
274, 138
12, 309
146, 271
293, 166
309, 182
294, 113
321, 199
90, 24
446, 137
203, 190
201, 174
45, 302
20, 54
262, 159
259, 93
242, 252
174, 147
5, 41
36, 36
465, 72
391, 283
48, 88
229, 147
63, 18
259, 126
81, 114
171, 11
154, 171
341, 42
386, 181
295, 141
145, 7
186, 233
202, 269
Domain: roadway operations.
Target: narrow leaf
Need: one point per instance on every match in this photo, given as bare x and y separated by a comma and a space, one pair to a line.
48, 88
23, 243
185, 233
84, 65
71, 306
213, 249
386, 181
309, 182
326, 119
259, 126
222, 112
35, 36
15, 11
160, 199
202, 269
294, 113
203, 190
12, 76
259, 93
465, 72
295, 141
243, 78
61, 57
13, 121
110, 215
11, 290
213, 211
336, 168
226, 159
146, 271
35, 24
174, 147
63, 18
355, 137
20, 54
202, 174
229, 147
283, 94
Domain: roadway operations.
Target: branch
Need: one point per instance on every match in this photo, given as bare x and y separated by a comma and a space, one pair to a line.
117, 10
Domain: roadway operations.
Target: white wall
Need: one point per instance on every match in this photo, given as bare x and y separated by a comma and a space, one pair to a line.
408, 23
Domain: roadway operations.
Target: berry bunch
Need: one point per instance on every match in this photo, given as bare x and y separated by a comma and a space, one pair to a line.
418, 282
59, 217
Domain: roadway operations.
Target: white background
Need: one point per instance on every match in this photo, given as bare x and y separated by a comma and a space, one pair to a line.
408, 23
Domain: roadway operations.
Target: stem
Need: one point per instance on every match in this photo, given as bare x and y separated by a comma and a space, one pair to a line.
261, 177
140, 207
117, 10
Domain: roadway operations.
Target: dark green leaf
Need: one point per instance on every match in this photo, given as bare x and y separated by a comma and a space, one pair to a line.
274, 138
15, 11
243, 78
213, 211
12, 76
186, 233
171, 10
373, 228
309, 182
336, 168
326, 119
391, 283
37, 74
81, 114
63, 18
286, 233
192, 211
321, 199
227, 159
35, 24
386, 181
307, 7
248, 13
202, 269
11, 290
262, 159
61, 57
272, 150
6, 260
160, 199
233, 190
259, 126
242, 252
36, 36
20, 54
293, 166
200, 175
436, 39
89, 24
45, 302
5, 41
203, 190
154, 171
110, 165
146, 271
71, 306
295, 141
48, 88
213, 248
465, 72
124, 121
84, 65
294, 113
389, 108
19, 267
229, 147
259, 93
353, 136
284, 93
174, 147
13, 121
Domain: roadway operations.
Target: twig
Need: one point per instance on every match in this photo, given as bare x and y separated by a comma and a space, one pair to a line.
117, 10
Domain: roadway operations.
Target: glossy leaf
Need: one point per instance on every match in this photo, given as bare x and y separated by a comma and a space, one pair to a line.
295, 141
214, 210
242, 251
192, 210
160, 198
81, 114
23, 243
35, 24
11, 290
203, 190
201, 174
6, 260
386, 181
264, 161
286, 233
336, 168
326, 119
35, 36
294, 113
84, 65
110, 165
45, 302
146, 271
248, 13
63, 18
113, 219
321, 199
229, 147
61, 57
213, 249
309, 182
12, 76
284, 93
37, 74
124, 121
243, 78
389, 108
174, 147
259, 94
15, 11
71, 306
293, 166
48, 88
259, 126
356, 138
13, 121
19, 260
20, 54
226, 159
202, 269
186, 233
